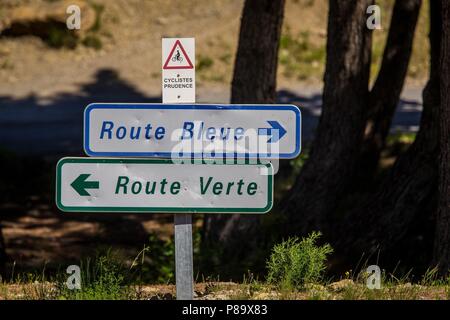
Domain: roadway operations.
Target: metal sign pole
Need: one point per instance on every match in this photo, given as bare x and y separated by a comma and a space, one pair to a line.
183, 257
178, 62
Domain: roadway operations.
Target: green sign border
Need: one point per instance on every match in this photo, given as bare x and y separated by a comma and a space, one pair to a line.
63, 161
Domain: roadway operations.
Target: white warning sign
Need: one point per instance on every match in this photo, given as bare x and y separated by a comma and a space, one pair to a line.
178, 70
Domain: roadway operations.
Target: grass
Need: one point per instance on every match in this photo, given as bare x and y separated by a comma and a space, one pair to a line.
103, 278
209, 69
397, 143
58, 36
92, 38
107, 277
92, 41
299, 57
204, 63
160, 266
99, 9
215, 67
393, 288
296, 268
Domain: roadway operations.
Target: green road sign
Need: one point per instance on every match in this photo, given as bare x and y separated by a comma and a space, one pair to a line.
141, 185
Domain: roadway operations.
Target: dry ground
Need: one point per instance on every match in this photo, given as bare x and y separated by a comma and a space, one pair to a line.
131, 32
340, 290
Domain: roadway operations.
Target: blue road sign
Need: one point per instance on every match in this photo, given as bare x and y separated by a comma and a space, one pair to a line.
192, 130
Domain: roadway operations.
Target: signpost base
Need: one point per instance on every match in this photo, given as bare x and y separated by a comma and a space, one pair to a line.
183, 257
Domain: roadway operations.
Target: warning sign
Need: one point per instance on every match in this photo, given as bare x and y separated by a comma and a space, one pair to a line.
178, 70
178, 58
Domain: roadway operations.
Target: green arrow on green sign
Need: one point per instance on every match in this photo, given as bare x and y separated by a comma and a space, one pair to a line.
80, 184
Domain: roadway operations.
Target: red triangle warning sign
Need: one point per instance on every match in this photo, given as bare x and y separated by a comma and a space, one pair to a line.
178, 58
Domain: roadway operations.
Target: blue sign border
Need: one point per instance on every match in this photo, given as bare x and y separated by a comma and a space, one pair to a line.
155, 106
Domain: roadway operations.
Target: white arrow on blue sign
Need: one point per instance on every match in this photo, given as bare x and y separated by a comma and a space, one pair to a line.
192, 130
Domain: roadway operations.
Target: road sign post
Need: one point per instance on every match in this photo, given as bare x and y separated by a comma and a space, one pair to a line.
216, 157
178, 86
184, 264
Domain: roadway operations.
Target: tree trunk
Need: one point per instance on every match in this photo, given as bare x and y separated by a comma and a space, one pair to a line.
442, 240
2, 253
328, 173
255, 68
407, 195
234, 238
385, 94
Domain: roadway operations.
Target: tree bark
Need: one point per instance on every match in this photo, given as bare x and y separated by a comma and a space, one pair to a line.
407, 195
236, 237
385, 94
255, 68
442, 240
3, 256
328, 173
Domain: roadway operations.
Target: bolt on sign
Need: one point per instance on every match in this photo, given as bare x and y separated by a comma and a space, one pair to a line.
151, 185
178, 72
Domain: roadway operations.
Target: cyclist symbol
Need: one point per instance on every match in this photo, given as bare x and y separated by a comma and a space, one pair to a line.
177, 57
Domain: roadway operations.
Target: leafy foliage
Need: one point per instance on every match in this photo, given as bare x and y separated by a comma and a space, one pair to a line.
161, 266
294, 263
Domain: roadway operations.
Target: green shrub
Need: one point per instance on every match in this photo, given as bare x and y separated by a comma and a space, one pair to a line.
294, 263
102, 278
